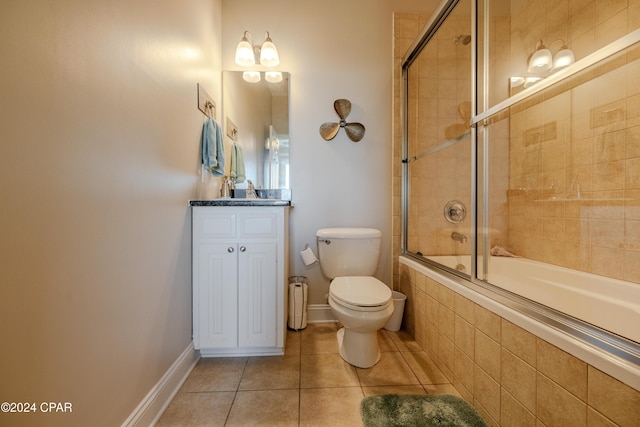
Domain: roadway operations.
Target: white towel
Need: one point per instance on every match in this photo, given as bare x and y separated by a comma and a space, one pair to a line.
212, 148
500, 251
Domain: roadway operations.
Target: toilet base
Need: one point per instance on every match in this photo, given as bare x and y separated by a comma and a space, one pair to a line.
359, 349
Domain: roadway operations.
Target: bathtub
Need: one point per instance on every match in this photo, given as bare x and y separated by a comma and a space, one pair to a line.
611, 304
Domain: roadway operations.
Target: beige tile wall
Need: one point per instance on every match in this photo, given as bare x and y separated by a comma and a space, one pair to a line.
512, 377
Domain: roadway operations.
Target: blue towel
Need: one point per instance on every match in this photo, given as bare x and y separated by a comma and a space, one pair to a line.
212, 148
237, 172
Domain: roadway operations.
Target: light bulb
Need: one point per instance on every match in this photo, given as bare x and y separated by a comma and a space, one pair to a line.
540, 61
269, 53
563, 58
244, 53
529, 81
517, 81
273, 76
251, 76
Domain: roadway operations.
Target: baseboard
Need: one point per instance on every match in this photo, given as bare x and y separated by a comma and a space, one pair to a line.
156, 401
319, 313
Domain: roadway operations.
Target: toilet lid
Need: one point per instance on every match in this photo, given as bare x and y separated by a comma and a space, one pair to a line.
361, 291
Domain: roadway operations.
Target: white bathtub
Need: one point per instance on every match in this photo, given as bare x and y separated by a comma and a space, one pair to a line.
613, 307
611, 304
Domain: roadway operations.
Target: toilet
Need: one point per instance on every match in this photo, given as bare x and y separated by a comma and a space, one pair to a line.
362, 303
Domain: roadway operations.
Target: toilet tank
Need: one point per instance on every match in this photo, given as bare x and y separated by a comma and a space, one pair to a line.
348, 251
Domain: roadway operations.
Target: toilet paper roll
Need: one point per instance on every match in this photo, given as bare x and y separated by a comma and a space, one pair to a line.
308, 256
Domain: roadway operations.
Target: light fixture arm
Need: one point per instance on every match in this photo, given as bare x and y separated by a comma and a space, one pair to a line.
250, 37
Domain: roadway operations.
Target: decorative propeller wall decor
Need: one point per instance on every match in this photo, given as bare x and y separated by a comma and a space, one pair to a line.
355, 131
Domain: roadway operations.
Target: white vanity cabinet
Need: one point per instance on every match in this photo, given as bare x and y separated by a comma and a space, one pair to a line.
239, 279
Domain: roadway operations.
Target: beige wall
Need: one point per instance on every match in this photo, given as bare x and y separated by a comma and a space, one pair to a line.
333, 49
513, 377
99, 143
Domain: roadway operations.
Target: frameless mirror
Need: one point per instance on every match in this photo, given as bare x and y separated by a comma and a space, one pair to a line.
256, 116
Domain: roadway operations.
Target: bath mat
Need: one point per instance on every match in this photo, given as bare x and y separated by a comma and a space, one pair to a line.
443, 410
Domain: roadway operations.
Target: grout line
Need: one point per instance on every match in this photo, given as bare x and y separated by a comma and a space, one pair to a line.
235, 394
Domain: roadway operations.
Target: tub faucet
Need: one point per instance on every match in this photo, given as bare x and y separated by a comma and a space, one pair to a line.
458, 237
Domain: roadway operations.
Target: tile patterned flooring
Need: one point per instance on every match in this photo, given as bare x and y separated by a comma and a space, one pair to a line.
309, 386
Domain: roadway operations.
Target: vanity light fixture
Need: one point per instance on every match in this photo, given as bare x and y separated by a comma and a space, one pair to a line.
542, 60
247, 53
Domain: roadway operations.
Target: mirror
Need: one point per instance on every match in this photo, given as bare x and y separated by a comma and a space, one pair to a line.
259, 113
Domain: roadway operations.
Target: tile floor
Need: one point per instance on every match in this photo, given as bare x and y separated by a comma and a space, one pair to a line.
309, 386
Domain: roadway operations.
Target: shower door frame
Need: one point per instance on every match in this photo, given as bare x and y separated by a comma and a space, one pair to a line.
431, 27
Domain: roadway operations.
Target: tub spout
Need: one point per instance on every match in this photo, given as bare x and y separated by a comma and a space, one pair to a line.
459, 237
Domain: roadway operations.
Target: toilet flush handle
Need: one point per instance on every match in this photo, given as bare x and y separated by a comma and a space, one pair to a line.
327, 241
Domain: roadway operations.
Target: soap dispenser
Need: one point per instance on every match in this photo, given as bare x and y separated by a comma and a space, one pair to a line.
225, 191
251, 190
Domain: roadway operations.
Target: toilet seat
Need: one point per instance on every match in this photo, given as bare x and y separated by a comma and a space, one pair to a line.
362, 293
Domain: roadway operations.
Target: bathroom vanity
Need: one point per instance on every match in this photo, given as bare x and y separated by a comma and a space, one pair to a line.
240, 265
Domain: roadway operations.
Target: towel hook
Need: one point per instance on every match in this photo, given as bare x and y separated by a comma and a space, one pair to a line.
208, 106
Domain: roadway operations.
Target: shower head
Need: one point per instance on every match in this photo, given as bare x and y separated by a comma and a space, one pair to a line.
463, 39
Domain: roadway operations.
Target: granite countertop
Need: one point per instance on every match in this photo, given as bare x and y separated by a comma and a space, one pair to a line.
240, 202
266, 197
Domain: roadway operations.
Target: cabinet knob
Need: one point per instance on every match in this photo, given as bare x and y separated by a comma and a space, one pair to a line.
243, 248
230, 249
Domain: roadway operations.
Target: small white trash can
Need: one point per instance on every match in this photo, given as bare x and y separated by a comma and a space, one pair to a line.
297, 302
394, 323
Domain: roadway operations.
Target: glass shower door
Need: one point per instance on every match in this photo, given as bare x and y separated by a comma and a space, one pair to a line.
439, 151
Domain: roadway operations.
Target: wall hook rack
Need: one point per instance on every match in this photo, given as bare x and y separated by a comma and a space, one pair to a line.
206, 104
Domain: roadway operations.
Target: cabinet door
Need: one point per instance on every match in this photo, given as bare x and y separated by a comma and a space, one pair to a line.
257, 303
218, 295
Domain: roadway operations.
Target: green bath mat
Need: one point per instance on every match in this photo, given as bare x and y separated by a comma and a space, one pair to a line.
394, 410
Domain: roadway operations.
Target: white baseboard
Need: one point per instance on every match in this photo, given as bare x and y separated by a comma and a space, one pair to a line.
319, 313
156, 401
